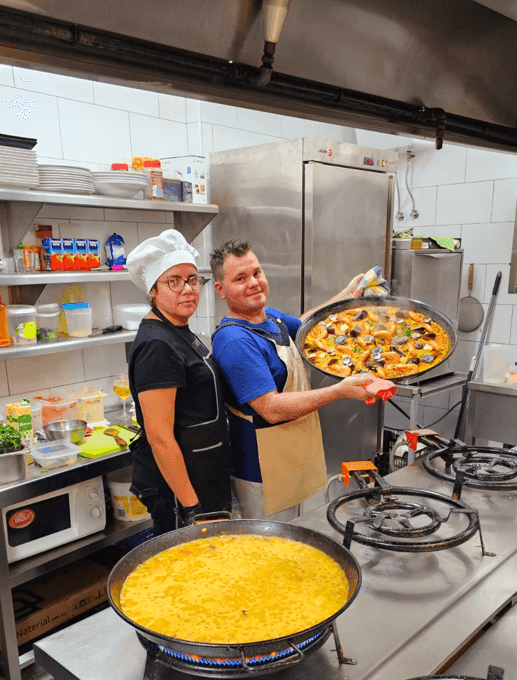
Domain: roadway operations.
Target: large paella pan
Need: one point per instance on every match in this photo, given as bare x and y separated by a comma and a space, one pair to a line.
389, 337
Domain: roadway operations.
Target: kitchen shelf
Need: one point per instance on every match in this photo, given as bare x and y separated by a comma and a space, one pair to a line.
21, 207
65, 345
44, 278
31, 567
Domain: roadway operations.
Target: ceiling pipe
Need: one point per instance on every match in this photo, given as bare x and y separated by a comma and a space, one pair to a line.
274, 13
45, 40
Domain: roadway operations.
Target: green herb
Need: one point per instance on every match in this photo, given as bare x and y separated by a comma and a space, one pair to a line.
357, 350
408, 332
10, 438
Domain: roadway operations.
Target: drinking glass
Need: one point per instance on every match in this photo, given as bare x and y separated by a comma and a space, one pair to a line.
121, 389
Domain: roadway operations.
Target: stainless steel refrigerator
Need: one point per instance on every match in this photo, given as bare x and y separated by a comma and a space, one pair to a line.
317, 213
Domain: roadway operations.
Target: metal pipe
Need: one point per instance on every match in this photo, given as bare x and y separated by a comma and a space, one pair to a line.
86, 49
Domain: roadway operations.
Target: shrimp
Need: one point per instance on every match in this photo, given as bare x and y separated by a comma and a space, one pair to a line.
411, 348
385, 335
391, 357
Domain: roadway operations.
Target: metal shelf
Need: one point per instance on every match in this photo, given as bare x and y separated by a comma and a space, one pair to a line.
65, 345
21, 207
44, 278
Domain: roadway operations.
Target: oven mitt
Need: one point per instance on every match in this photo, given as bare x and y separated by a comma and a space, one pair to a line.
384, 389
373, 283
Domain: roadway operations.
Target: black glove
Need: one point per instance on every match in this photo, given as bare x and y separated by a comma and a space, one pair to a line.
188, 513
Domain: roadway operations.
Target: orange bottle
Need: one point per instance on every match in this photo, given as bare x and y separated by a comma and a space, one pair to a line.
5, 339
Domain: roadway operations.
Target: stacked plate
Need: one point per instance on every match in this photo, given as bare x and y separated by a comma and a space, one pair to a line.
119, 183
67, 179
18, 168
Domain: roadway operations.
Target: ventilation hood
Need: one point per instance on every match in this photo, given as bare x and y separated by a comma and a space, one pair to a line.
341, 61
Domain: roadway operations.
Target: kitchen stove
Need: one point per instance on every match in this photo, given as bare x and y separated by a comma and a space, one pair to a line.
494, 673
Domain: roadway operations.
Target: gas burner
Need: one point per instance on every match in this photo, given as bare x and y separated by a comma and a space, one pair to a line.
395, 524
478, 467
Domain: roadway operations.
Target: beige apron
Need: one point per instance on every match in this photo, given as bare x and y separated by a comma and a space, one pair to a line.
292, 461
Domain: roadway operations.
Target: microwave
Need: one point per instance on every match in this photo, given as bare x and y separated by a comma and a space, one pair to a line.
55, 518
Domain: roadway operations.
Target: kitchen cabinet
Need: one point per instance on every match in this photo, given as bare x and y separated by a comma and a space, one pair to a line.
12, 575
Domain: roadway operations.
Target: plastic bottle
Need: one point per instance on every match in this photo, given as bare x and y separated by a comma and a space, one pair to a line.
5, 339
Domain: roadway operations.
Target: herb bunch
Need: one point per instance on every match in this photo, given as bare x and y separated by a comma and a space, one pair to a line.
10, 438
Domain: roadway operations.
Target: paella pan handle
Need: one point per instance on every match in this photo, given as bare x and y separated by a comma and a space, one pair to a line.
281, 662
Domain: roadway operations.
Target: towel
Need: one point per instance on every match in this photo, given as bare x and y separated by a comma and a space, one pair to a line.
384, 389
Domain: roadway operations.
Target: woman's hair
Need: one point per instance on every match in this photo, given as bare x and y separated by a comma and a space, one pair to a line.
233, 246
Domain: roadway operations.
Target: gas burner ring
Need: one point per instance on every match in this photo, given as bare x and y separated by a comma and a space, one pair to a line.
372, 494
478, 464
392, 517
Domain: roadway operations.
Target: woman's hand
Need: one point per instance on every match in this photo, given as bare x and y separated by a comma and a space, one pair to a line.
351, 291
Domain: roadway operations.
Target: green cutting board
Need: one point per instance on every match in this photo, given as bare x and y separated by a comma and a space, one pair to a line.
99, 444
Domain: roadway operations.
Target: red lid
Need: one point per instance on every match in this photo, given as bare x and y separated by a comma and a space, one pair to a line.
119, 166
152, 164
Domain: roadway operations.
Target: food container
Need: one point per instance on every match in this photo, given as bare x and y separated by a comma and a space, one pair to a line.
78, 319
90, 405
495, 362
66, 430
54, 454
12, 467
25, 260
126, 506
21, 320
54, 407
47, 319
129, 316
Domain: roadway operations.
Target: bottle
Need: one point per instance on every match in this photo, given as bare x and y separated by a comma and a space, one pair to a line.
511, 376
5, 339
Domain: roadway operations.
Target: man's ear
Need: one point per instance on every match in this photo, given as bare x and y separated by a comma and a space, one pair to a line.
219, 290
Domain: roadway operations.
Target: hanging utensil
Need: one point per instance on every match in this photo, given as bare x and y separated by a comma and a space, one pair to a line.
475, 361
471, 312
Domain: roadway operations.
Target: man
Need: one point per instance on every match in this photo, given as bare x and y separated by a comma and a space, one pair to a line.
277, 452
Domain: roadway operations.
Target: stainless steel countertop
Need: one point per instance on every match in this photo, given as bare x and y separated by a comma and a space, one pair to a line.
414, 612
496, 388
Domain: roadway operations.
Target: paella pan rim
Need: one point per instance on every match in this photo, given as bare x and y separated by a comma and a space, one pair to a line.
377, 301
126, 565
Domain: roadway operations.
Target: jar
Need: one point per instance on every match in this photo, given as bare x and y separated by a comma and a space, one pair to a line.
47, 319
511, 376
78, 319
154, 188
21, 320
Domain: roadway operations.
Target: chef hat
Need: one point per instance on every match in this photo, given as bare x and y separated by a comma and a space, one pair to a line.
147, 262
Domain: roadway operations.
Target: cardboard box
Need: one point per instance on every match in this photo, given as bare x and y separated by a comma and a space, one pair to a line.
50, 600
18, 415
54, 254
188, 169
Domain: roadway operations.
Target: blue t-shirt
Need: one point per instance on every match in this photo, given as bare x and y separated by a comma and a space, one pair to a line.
250, 367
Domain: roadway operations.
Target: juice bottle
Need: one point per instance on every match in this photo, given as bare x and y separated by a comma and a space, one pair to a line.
5, 340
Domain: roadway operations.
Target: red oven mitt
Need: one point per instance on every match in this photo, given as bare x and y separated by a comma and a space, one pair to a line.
380, 388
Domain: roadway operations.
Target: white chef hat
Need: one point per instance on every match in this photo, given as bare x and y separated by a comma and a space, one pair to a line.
147, 262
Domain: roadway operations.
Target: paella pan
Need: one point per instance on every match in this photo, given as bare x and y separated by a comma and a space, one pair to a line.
390, 337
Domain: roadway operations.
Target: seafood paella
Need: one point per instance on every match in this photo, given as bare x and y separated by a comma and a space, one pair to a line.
234, 589
388, 342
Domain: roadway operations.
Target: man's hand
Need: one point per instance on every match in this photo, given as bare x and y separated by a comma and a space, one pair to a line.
351, 291
354, 387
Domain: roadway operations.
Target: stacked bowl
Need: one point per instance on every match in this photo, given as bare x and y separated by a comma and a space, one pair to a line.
119, 183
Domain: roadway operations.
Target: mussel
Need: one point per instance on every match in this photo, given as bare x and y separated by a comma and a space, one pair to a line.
427, 358
401, 314
414, 360
369, 339
340, 339
397, 350
399, 340
426, 319
430, 336
362, 314
420, 330
347, 361
356, 330
416, 335
331, 330
419, 345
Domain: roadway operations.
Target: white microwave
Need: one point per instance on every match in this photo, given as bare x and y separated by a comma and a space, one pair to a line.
58, 517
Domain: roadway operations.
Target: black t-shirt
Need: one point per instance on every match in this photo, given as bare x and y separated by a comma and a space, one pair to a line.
159, 360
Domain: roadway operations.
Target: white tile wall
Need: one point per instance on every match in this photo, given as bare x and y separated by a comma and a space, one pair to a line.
464, 203
126, 98
425, 204
6, 75
505, 196
483, 164
78, 89
157, 137
487, 242
172, 107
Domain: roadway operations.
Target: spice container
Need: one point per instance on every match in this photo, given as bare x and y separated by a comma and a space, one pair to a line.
47, 320
21, 320
5, 339
511, 376
154, 188
78, 319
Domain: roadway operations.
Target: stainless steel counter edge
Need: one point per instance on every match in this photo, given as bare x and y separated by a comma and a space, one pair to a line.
494, 388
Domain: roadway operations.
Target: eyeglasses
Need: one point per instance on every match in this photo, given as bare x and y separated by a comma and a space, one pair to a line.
177, 283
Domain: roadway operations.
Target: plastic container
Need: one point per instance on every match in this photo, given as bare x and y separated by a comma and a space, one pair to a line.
25, 260
495, 363
47, 319
54, 407
90, 406
126, 506
5, 339
511, 376
78, 319
21, 320
154, 174
129, 316
54, 454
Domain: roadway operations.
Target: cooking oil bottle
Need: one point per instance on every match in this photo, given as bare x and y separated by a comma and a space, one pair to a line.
5, 339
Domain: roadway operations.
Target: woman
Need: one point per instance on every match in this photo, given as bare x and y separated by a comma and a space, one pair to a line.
181, 459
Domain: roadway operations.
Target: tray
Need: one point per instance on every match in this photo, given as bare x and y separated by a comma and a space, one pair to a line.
99, 444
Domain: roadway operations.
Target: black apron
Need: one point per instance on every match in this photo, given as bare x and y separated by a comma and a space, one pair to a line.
205, 445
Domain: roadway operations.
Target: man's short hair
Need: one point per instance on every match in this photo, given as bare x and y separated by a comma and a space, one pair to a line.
233, 246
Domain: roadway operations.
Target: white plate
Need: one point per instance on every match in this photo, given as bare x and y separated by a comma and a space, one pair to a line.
18, 183
71, 175
65, 167
116, 190
19, 153
53, 180
126, 184
63, 190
